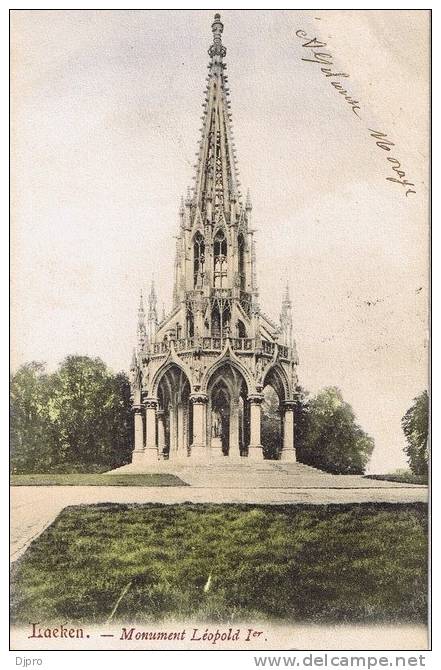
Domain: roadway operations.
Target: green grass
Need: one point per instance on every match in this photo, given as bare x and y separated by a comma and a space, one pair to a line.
317, 563
96, 480
402, 478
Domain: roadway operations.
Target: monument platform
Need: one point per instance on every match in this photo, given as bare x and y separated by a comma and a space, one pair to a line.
261, 475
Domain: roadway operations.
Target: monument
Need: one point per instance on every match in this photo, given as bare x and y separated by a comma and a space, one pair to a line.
198, 375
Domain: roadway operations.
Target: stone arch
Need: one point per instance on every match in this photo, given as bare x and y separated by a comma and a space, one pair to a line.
276, 377
174, 416
162, 371
227, 360
227, 393
275, 391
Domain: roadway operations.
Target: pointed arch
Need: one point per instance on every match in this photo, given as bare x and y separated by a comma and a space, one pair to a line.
227, 360
190, 322
241, 329
220, 258
198, 257
168, 365
276, 377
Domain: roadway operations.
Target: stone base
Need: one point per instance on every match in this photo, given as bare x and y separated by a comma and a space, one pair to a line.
199, 452
146, 456
255, 453
180, 456
137, 457
234, 457
288, 456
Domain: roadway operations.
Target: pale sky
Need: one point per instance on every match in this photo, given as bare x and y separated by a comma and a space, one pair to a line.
106, 109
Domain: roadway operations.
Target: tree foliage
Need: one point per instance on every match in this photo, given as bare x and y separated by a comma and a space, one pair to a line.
77, 417
328, 436
326, 433
271, 427
415, 425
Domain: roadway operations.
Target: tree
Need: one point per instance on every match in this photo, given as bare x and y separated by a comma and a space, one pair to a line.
76, 418
31, 446
90, 408
415, 425
331, 439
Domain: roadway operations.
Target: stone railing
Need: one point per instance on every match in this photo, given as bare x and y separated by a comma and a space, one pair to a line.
221, 293
238, 344
268, 347
242, 343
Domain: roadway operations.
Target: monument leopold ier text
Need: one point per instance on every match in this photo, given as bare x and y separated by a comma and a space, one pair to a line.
197, 376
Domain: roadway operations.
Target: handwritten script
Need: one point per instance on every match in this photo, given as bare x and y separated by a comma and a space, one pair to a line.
325, 61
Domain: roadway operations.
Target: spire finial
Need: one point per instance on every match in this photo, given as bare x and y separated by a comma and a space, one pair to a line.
217, 27
141, 307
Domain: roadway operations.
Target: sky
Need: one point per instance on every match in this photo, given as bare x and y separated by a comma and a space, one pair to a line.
106, 109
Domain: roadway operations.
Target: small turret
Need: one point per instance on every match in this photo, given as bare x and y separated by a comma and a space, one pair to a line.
141, 329
248, 205
134, 363
152, 319
286, 326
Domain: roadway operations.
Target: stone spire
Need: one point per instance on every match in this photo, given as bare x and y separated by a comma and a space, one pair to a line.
134, 361
248, 204
217, 183
152, 318
141, 329
286, 318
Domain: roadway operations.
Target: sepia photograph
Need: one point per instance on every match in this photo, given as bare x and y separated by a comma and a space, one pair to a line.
220, 264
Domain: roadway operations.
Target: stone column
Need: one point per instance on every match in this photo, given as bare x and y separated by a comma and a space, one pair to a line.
288, 453
199, 437
161, 433
255, 450
138, 451
151, 448
234, 452
181, 452
173, 443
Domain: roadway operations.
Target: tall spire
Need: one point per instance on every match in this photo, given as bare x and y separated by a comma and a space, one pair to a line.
217, 182
286, 326
152, 318
141, 330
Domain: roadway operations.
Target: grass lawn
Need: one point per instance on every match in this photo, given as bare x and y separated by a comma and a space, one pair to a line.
402, 478
96, 480
316, 563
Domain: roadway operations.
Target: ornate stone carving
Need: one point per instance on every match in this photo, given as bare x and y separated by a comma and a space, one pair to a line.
261, 364
199, 398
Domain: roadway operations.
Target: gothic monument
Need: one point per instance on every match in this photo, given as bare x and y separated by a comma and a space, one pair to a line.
198, 376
